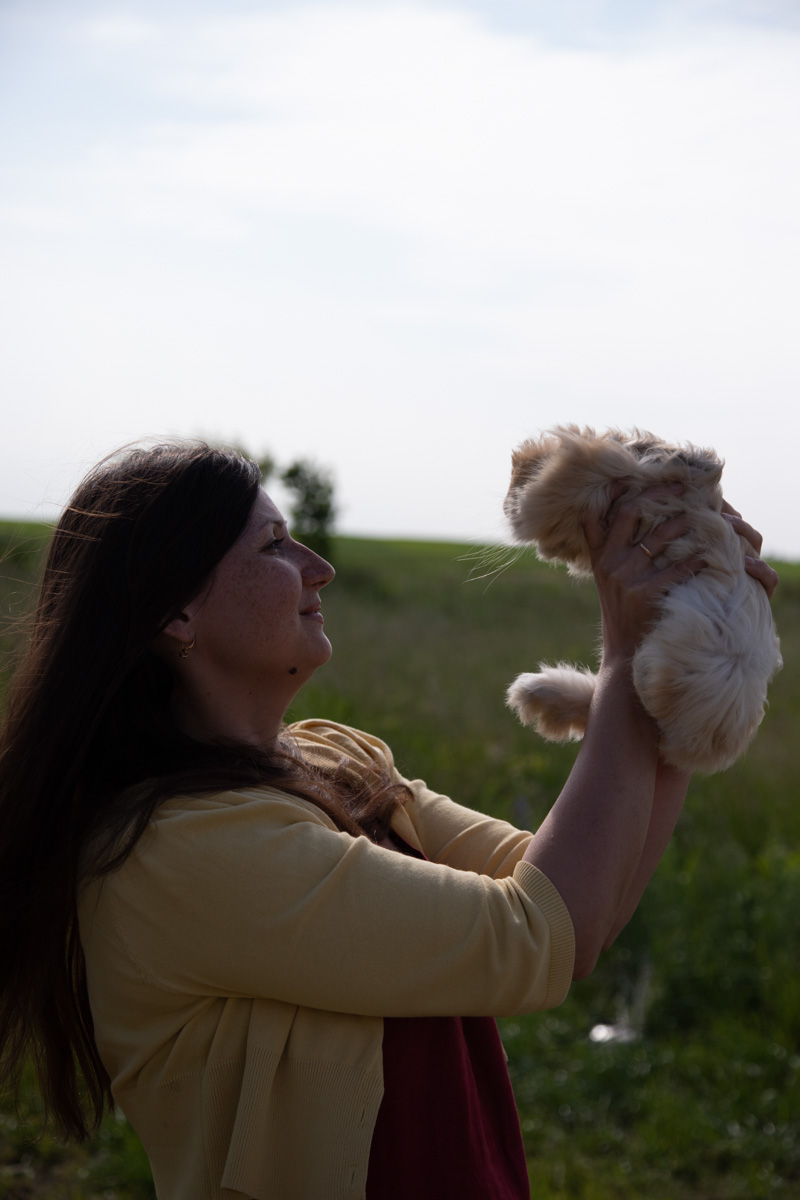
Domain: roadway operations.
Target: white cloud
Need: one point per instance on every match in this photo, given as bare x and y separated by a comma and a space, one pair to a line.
120, 31
430, 127
421, 233
41, 218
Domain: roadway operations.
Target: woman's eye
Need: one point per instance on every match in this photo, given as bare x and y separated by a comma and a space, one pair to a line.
274, 544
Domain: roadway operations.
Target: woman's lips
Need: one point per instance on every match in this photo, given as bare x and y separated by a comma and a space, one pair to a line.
313, 614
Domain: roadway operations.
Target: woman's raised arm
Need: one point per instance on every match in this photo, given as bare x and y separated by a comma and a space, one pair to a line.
592, 842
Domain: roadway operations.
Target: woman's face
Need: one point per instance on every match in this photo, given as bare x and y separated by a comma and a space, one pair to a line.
260, 620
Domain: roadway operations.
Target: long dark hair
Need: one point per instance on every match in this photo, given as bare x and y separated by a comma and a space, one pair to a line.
87, 718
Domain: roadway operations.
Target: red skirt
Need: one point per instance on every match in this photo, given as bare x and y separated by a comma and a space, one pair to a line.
447, 1125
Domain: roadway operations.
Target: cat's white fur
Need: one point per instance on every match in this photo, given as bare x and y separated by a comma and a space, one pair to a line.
702, 670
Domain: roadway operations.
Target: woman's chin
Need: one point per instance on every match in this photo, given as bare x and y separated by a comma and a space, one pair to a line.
322, 652
328, 651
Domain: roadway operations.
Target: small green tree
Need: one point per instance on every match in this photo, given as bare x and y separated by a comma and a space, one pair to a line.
313, 510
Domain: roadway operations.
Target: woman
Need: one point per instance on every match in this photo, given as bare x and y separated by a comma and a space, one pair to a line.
276, 953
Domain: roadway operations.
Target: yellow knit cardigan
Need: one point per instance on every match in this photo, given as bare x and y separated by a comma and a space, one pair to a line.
241, 961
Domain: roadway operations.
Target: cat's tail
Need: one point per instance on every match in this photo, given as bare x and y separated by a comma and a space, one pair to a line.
555, 701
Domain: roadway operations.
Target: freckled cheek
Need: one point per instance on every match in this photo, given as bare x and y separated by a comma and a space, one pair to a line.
273, 608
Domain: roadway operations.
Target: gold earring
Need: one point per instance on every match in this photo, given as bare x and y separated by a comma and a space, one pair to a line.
184, 650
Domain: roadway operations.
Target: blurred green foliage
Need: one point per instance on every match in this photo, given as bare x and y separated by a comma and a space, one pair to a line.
704, 1102
313, 510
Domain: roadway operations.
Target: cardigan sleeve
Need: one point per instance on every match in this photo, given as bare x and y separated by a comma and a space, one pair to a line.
444, 831
255, 894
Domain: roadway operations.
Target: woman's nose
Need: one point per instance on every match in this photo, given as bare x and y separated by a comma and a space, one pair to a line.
317, 570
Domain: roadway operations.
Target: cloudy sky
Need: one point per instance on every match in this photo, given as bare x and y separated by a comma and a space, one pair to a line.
397, 238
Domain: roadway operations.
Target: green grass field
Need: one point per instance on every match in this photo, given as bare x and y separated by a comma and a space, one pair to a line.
705, 1101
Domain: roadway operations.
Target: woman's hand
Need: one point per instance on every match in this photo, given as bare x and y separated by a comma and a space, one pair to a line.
629, 584
603, 837
753, 564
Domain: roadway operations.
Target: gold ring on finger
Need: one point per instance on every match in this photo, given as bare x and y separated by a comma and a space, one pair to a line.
642, 546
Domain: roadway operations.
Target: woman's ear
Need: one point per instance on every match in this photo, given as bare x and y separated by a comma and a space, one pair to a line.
179, 627
176, 635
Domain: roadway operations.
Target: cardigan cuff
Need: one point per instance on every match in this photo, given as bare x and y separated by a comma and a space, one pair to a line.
562, 947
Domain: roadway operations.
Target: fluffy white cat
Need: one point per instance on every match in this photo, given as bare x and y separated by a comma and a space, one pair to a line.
702, 670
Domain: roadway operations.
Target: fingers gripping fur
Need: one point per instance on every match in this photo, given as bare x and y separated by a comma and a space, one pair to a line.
567, 476
702, 671
555, 701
